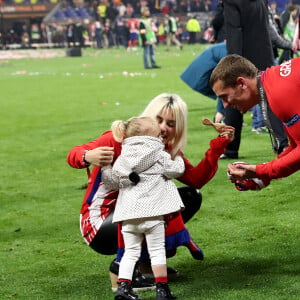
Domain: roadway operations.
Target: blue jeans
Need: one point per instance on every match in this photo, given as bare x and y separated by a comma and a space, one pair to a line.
98, 37
149, 52
257, 119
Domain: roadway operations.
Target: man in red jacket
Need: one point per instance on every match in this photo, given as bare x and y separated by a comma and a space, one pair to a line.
241, 86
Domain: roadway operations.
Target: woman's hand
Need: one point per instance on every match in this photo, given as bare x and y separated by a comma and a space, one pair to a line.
228, 132
101, 156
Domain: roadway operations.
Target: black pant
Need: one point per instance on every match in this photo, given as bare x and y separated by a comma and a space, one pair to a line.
235, 119
106, 240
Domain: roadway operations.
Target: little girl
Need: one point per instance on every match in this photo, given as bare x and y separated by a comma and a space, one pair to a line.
142, 174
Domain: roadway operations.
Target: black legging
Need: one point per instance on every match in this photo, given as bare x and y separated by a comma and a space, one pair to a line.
106, 240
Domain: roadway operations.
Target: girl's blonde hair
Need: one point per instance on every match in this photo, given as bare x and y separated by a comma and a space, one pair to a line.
133, 127
165, 103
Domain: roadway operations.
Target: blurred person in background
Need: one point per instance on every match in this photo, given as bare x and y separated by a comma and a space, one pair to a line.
193, 27
148, 39
288, 24
171, 30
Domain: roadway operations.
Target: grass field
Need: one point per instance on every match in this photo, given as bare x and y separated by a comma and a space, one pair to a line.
50, 104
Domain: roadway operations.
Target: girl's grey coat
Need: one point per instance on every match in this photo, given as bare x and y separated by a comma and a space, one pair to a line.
155, 194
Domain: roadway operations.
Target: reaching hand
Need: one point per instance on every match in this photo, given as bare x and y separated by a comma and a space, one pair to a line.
243, 177
228, 132
241, 170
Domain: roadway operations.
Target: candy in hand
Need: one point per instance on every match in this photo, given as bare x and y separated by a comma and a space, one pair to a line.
217, 126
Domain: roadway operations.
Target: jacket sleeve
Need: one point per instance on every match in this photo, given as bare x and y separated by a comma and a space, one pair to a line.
287, 163
218, 20
197, 176
198, 72
282, 167
172, 168
277, 40
108, 177
75, 155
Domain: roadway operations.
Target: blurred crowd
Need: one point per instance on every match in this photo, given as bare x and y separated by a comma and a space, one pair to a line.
111, 23
107, 23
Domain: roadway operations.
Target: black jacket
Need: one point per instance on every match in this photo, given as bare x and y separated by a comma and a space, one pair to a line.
247, 33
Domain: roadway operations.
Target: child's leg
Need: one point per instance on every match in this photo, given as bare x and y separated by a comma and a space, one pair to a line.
155, 238
132, 241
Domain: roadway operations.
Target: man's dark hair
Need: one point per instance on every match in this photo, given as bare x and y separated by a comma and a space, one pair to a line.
230, 68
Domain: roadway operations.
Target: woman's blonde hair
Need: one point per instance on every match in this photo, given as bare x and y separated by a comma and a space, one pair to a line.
165, 103
133, 127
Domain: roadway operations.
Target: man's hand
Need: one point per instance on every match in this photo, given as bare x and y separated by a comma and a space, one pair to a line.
241, 170
244, 178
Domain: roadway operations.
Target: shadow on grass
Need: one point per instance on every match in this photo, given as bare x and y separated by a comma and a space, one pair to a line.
239, 273
237, 278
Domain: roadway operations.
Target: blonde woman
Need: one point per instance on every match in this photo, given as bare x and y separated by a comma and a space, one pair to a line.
99, 201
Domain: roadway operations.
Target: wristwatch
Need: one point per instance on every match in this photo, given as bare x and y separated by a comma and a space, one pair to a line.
87, 164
